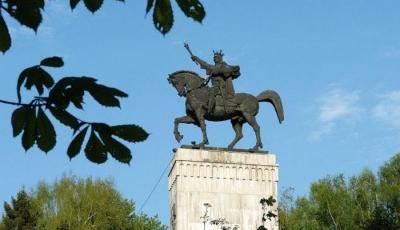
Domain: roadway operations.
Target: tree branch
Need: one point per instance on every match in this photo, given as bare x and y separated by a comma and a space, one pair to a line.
21, 104
333, 219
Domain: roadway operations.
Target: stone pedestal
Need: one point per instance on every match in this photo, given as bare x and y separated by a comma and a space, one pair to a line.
232, 182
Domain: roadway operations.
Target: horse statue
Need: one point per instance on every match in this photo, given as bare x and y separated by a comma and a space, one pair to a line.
242, 108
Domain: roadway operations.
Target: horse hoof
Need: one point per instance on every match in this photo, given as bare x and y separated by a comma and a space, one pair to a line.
198, 146
254, 149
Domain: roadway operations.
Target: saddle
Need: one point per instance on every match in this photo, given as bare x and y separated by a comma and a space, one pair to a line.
224, 105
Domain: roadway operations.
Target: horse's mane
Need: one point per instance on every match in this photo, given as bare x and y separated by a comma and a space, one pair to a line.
188, 72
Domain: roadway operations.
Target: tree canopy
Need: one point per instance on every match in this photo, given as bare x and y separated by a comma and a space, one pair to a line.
364, 201
20, 214
72, 203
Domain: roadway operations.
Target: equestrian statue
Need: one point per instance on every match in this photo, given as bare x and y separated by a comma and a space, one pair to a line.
219, 102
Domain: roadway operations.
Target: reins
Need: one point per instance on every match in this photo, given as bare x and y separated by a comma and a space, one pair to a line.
188, 90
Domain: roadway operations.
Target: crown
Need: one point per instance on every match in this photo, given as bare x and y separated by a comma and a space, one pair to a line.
218, 53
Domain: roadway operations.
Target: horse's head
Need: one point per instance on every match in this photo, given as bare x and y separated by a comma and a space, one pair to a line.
178, 81
184, 81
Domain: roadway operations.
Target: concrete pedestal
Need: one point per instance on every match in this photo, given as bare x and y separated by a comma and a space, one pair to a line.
232, 182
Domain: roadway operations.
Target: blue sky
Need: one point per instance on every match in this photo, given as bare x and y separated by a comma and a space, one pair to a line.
334, 63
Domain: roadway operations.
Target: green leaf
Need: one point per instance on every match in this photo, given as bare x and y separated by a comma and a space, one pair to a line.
102, 128
75, 146
193, 9
52, 62
93, 5
45, 78
27, 12
271, 215
18, 120
75, 95
163, 17
95, 151
131, 133
69, 89
150, 4
5, 39
40, 78
30, 81
270, 201
22, 77
106, 95
79, 127
41, 4
72, 89
29, 135
46, 139
36, 76
117, 150
64, 117
73, 3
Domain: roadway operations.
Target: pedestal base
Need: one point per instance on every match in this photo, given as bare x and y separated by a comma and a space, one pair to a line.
231, 182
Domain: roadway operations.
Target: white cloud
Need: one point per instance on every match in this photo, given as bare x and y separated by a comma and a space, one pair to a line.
334, 106
337, 104
388, 109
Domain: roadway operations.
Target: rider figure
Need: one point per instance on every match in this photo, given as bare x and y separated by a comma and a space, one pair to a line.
221, 75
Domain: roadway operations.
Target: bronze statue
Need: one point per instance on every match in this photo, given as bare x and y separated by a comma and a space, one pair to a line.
221, 75
220, 102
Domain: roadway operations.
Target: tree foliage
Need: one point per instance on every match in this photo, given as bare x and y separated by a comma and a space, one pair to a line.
268, 214
364, 201
32, 121
29, 13
72, 203
21, 214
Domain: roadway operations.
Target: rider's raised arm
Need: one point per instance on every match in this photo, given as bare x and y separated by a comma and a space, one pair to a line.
203, 64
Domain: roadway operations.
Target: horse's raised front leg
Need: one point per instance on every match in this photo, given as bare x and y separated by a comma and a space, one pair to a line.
237, 126
184, 119
253, 123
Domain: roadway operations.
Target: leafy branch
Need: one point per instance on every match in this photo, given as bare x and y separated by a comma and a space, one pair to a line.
31, 119
29, 13
267, 214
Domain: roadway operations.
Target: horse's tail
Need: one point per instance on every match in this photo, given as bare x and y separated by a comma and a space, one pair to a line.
273, 98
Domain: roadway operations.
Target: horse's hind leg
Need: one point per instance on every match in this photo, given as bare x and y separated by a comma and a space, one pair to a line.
237, 125
184, 119
253, 123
